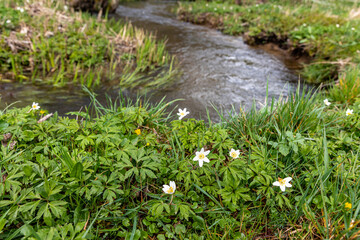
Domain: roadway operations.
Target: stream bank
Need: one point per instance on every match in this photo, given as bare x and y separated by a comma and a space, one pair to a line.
217, 70
322, 36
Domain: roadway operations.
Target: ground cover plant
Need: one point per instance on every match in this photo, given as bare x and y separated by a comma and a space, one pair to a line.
134, 171
47, 42
325, 31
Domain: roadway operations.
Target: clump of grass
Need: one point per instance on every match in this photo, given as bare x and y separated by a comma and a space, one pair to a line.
46, 43
346, 89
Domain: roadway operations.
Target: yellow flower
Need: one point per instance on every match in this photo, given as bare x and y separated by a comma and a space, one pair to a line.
42, 111
348, 206
138, 131
147, 144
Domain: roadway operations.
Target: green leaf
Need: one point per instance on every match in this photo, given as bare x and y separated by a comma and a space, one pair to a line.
3, 125
2, 224
134, 228
159, 210
161, 237
4, 203
77, 213
284, 150
185, 211
66, 159
180, 228
28, 135
150, 173
77, 170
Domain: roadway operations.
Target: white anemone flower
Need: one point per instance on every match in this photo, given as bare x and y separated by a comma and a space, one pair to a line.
8, 21
326, 102
169, 189
201, 157
349, 112
20, 9
234, 153
35, 106
182, 113
283, 183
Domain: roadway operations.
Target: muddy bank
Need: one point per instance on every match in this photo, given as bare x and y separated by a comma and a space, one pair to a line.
292, 54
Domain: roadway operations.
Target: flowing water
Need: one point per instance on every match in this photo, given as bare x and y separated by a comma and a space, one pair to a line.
216, 69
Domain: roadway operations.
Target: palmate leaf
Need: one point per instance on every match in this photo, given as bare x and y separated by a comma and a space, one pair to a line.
129, 173
57, 208
284, 149
185, 211
32, 206
86, 140
150, 173
233, 194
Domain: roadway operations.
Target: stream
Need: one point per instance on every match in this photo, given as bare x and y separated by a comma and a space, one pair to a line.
217, 69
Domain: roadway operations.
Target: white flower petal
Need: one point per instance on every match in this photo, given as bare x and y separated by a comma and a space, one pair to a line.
196, 158
288, 185
276, 183
207, 152
200, 162
287, 179
173, 185
166, 188
206, 160
282, 187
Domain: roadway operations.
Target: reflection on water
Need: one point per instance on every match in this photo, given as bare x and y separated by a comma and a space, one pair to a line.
217, 69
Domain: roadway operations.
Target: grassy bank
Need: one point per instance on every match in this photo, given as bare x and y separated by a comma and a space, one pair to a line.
325, 31
46, 42
102, 177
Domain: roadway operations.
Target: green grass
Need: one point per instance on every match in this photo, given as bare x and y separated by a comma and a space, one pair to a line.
64, 47
326, 31
99, 174
93, 176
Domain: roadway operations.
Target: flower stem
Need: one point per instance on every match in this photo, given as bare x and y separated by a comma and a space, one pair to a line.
172, 196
